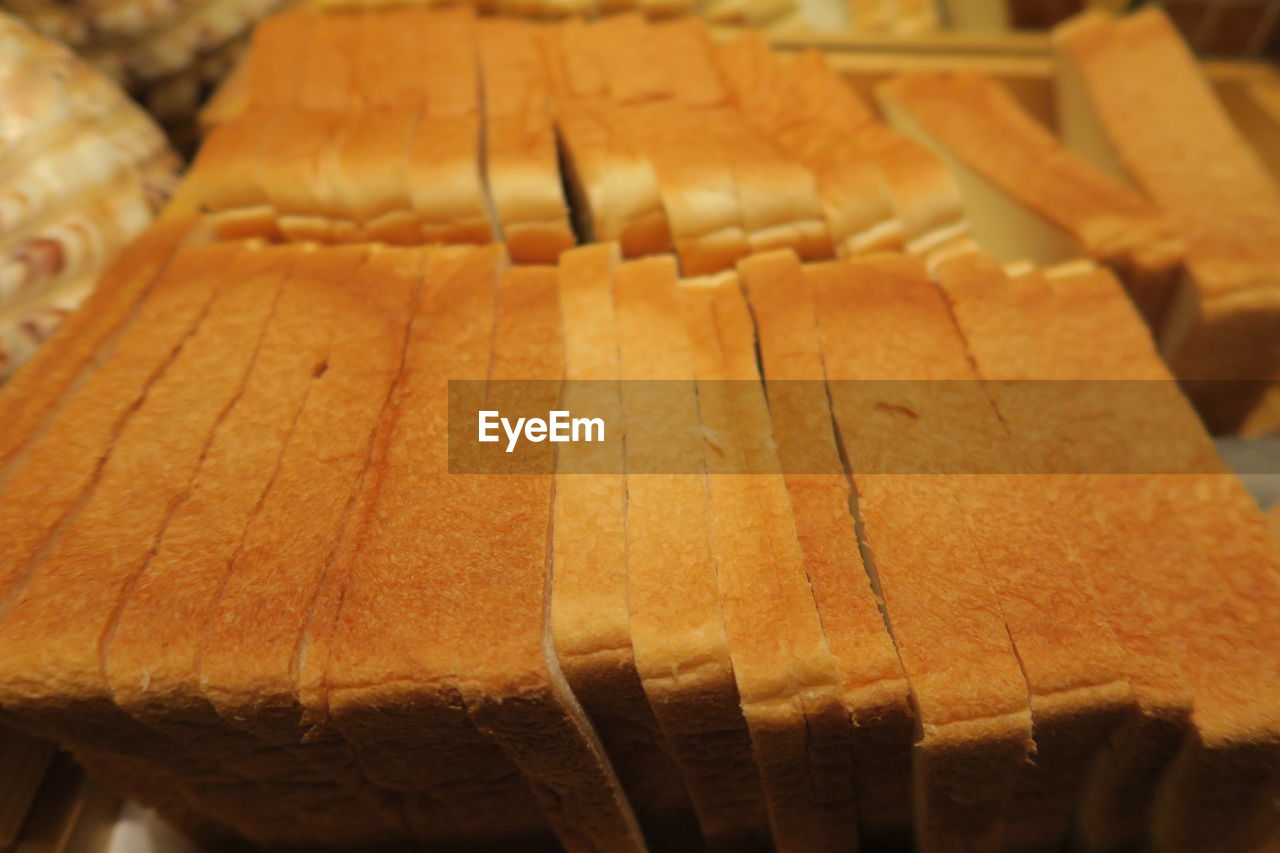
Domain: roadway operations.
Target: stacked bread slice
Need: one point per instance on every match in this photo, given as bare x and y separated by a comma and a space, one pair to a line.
1132, 100
664, 141
874, 554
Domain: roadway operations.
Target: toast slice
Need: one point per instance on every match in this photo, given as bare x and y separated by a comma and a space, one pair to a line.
684, 43
1116, 562
1229, 647
295, 171
274, 68
970, 695
1028, 197
681, 649
925, 196
786, 676
873, 685
1223, 325
590, 621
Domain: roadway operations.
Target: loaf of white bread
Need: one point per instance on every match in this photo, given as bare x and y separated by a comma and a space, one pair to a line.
665, 142
881, 555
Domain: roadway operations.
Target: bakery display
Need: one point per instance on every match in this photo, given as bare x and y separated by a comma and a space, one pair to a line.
897, 531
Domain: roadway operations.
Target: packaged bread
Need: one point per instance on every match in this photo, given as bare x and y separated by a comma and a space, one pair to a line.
1028, 197
1128, 86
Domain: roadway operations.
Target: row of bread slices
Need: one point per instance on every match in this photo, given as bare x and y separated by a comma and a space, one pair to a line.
82, 170
668, 142
256, 596
1193, 229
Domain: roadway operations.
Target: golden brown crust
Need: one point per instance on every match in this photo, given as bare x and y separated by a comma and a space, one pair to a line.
1224, 325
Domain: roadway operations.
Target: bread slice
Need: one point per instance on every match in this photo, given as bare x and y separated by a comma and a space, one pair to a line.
370, 176
876, 319
224, 178
445, 60
545, 730
1027, 196
684, 43
695, 180
1228, 646
1223, 326
56, 680
413, 734
779, 198
329, 77
33, 509
852, 190
680, 646
590, 622
151, 653
445, 180
520, 165
873, 686
925, 196
1116, 568
274, 68
631, 59
614, 185
1273, 518
297, 170
786, 675
31, 398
